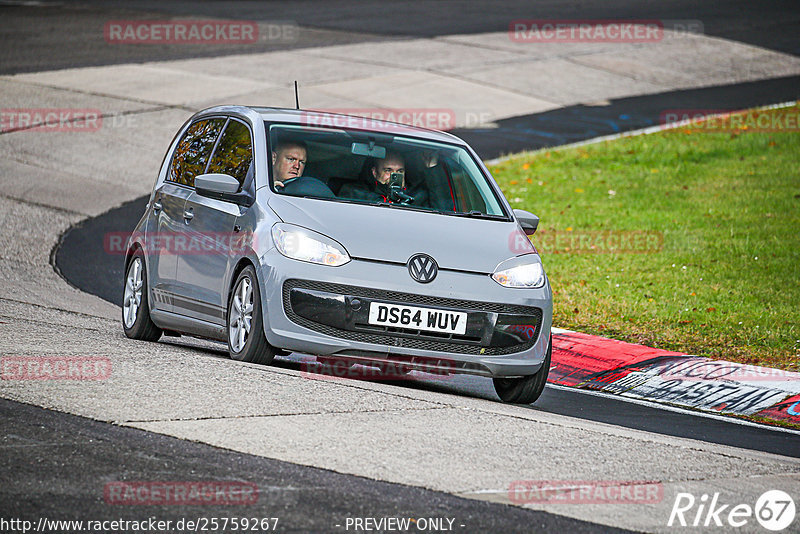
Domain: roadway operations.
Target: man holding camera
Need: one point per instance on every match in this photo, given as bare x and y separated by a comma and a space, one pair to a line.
390, 178
387, 183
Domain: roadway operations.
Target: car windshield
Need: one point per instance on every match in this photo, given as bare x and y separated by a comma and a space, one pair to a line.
379, 168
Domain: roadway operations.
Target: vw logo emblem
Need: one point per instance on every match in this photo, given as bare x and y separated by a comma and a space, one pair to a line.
422, 268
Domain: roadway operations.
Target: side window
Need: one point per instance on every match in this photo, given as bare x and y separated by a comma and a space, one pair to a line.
234, 152
193, 150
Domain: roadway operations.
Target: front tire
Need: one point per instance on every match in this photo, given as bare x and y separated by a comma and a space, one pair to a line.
246, 339
136, 320
527, 389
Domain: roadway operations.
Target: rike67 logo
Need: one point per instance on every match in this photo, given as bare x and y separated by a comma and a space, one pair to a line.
774, 510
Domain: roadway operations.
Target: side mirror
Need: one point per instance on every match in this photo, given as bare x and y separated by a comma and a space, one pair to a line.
222, 187
216, 183
528, 221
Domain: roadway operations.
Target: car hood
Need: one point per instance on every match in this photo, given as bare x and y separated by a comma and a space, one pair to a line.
394, 235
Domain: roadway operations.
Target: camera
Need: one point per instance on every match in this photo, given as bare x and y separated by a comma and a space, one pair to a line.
396, 193
396, 180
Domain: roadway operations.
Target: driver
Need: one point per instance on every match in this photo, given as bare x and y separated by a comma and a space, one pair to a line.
288, 163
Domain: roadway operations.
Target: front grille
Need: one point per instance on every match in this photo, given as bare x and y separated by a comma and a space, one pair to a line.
419, 334
413, 339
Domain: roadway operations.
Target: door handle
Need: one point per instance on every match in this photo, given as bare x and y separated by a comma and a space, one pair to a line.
188, 214
157, 206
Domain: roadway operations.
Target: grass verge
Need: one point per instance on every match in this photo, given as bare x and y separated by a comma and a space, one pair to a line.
685, 239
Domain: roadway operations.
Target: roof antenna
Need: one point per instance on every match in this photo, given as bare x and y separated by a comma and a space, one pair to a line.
296, 96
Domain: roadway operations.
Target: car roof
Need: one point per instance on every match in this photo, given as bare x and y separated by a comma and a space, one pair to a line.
323, 119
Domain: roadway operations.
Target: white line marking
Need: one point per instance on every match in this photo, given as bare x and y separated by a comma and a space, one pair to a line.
555, 330
670, 408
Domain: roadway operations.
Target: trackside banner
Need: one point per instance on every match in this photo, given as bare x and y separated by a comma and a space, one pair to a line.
592, 362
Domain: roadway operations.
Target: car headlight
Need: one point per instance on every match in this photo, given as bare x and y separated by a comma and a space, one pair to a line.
529, 275
305, 245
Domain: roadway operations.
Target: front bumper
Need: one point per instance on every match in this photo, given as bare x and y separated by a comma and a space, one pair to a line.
342, 311
329, 318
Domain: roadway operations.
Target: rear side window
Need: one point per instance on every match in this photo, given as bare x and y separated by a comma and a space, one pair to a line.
234, 152
194, 150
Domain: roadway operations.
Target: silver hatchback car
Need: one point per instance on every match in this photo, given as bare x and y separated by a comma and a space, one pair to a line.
354, 240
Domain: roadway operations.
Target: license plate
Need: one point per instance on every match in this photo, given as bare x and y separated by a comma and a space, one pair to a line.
448, 322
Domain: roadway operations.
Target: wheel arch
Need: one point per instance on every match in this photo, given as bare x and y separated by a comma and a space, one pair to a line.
240, 266
131, 251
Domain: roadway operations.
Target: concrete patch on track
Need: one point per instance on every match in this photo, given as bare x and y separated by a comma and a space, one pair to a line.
610, 366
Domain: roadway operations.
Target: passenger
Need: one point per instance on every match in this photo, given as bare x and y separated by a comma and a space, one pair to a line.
288, 164
382, 171
378, 187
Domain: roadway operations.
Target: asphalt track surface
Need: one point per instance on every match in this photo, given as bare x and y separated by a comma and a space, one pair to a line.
55, 35
42, 451
572, 124
60, 462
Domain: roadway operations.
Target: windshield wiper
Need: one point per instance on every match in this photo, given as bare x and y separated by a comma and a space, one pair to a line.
386, 204
475, 214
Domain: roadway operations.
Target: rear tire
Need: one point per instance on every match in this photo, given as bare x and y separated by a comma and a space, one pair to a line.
136, 320
246, 339
527, 389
